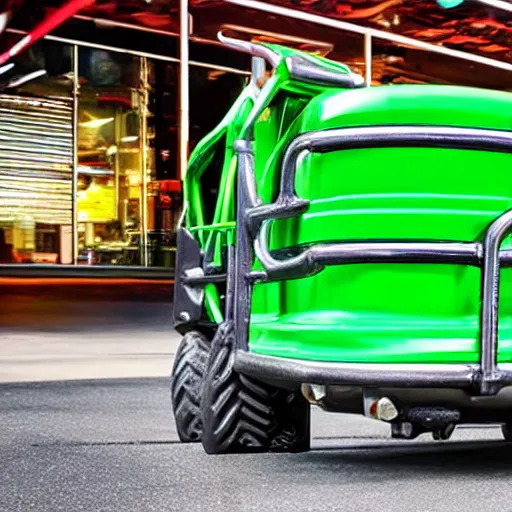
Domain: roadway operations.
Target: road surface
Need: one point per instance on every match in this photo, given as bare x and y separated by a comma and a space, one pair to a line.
86, 425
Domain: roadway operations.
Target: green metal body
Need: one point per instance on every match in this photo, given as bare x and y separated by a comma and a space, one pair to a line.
380, 313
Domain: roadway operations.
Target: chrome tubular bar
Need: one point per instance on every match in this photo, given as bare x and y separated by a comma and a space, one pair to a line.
319, 47
490, 299
313, 259
390, 136
253, 219
357, 374
256, 50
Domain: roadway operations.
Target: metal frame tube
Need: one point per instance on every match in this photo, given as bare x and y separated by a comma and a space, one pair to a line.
476, 139
144, 160
102, 22
230, 282
117, 139
184, 89
288, 204
368, 64
135, 53
244, 254
356, 374
74, 183
490, 300
256, 50
257, 69
356, 29
323, 48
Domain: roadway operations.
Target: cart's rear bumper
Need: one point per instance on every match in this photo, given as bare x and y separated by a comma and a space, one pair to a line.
366, 375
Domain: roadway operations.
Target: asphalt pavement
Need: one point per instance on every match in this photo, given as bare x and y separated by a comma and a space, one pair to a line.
86, 425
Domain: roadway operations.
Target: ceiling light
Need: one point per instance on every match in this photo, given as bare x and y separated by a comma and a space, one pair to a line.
498, 4
5, 17
96, 123
449, 4
26, 78
7, 67
112, 150
130, 138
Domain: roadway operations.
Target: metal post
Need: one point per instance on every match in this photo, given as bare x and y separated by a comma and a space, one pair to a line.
490, 301
127, 51
144, 161
257, 69
243, 249
117, 139
74, 180
184, 89
368, 59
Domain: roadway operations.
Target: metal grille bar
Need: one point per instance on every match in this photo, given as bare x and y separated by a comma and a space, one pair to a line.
253, 220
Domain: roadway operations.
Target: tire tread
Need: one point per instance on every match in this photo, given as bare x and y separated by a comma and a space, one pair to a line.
186, 385
239, 412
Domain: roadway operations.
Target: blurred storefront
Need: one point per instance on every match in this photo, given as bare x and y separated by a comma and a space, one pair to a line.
104, 188
89, 116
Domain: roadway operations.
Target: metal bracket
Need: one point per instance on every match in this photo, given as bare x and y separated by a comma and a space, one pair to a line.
188, 300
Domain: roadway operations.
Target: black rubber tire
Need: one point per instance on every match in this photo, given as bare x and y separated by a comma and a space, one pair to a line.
187, 375
242, 415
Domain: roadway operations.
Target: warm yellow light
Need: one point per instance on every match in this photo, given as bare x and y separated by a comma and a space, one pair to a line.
130, 138
96, 123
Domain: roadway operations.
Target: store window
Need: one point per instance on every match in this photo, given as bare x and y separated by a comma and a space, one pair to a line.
36, 148
128, 190
129, 193
109, 181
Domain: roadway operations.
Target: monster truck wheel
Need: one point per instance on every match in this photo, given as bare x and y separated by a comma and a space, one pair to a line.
243, 415
186, 380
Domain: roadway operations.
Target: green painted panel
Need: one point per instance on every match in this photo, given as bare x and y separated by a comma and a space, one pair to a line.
390, 312
375, 312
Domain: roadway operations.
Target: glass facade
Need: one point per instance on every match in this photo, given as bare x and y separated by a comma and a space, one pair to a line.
89, 164
124, 189
109, 192
36, 147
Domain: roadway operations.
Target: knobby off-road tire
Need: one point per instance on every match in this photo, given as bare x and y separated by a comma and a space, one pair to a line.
187, 375
243, 415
